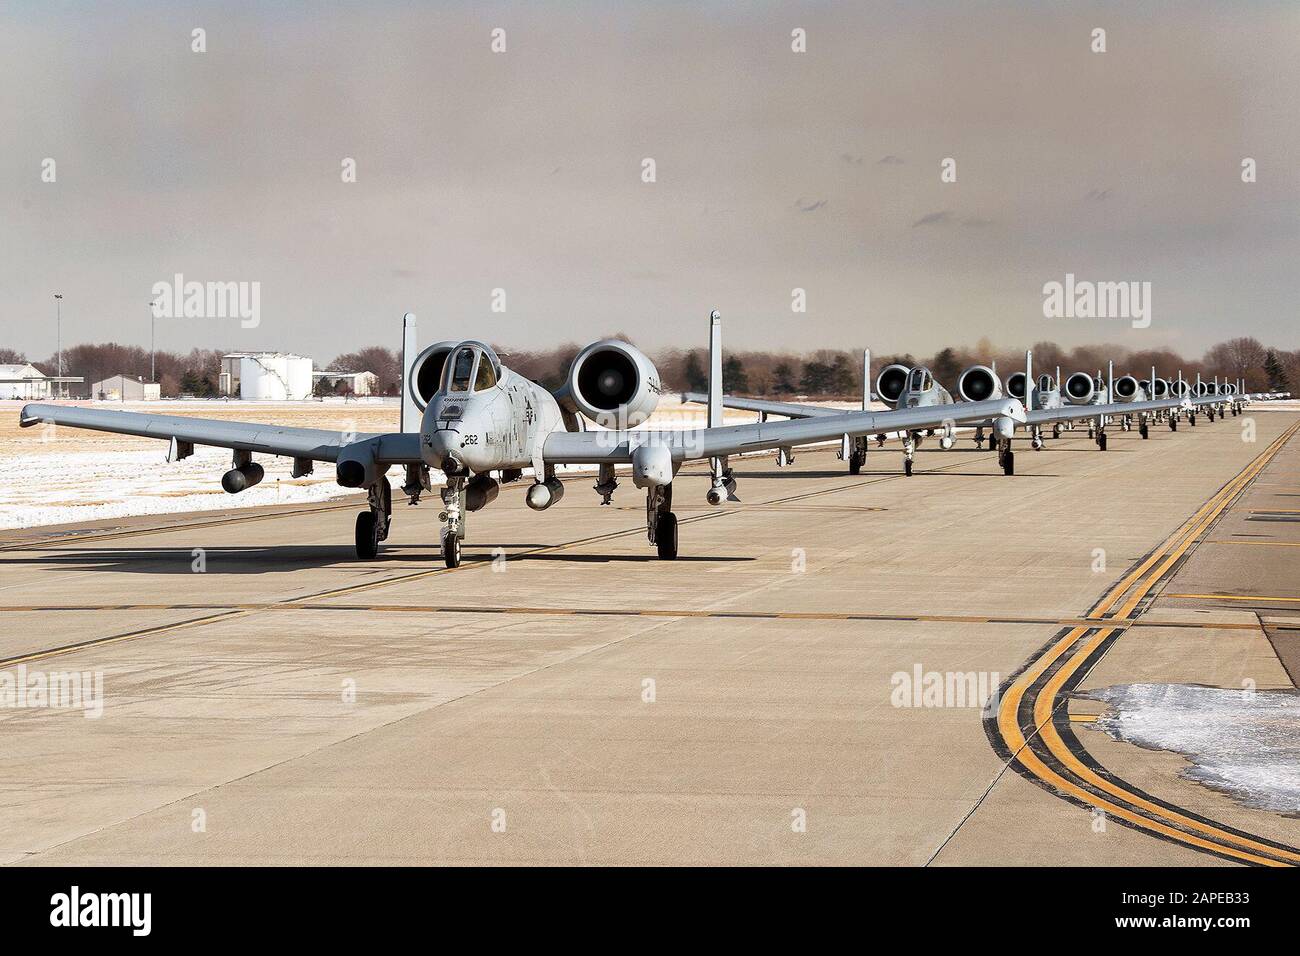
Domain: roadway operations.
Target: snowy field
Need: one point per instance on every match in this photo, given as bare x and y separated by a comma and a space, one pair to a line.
59, 475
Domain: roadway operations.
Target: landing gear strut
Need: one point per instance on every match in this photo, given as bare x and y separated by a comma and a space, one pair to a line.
372, 526
909, 450
1006, 457
858, 456
454, 514
661, 523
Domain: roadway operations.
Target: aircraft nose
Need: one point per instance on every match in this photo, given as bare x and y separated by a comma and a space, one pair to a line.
438, 447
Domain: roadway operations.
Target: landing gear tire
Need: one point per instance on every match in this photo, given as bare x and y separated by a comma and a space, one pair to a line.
367, 535
1191, 420
855, 463
1056, 431
907, 467
451, 548
1173, 424
1101, 441
1009, 463
666, 536
1144, 431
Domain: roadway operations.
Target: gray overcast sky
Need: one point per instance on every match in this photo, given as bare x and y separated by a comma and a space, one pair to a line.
775, 170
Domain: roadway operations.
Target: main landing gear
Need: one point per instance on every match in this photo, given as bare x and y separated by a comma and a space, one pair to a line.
1006, 457
909, 451
1144, 431
857, 456
372, 526
1101, 441
661, 523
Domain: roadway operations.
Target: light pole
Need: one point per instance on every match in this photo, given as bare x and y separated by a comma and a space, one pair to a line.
58, 321
153, 317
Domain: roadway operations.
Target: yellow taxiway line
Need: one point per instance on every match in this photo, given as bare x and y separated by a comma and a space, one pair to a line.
1075, 649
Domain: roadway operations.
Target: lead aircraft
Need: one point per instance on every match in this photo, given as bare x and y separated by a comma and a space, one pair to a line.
467, 415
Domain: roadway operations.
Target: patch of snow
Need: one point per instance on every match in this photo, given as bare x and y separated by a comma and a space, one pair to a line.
1245, 743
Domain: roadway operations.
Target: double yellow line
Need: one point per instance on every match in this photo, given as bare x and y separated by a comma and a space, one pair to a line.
1038, 691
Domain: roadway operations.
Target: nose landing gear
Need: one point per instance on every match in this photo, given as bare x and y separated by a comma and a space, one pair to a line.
454, 514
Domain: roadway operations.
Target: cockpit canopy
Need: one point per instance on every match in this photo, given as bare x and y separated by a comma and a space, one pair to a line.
1046, 383
920, 380
471, 367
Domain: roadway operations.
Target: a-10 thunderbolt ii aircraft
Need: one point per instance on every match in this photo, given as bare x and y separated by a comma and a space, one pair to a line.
899, 386
468, 415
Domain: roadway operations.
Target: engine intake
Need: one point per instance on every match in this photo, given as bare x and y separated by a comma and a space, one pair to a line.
1126, 388
613, 383
1016, 385
1080, 389
426, 372
978, 384
891, 382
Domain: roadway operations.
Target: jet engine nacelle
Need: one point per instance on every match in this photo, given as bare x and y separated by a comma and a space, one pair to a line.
1162, 388
1227, 388
891, 382
1179, 388
1126, 388
613, 383
426, 372
1016, 385
1080, 389
978, 384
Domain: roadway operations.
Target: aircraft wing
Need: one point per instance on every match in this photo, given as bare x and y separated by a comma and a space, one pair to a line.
788, 409
612, 447
317, 444
1067, 413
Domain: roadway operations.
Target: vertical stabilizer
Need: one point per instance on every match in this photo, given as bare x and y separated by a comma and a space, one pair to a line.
866, 380
410, 419
715, 369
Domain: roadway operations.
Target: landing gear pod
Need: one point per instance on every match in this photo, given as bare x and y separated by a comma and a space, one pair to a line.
544, 494
242, 476
480, 491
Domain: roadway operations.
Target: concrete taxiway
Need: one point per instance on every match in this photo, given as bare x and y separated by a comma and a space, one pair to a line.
565, 697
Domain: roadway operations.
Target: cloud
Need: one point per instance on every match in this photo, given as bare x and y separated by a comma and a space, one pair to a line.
809, 205
941, 218
890, 160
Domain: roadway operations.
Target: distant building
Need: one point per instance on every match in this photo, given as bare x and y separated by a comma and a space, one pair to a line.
123, 388
358, 383
266, 376
26, 382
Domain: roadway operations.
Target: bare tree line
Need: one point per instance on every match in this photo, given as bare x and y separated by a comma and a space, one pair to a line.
824, 374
